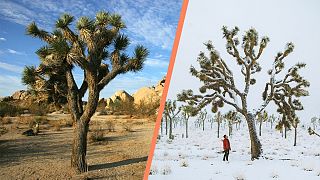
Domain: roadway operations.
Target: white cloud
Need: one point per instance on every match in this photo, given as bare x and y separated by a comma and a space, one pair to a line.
11, 67
156, 63
11, 51
10, 84
148, 21
2, 39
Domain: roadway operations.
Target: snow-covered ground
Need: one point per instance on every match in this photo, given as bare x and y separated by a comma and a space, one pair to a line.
200, 157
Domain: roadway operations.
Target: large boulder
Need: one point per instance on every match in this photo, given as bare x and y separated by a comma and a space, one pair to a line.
122, 96
146, 95
21, 95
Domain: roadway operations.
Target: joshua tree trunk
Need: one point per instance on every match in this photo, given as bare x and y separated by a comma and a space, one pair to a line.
170, 128
260, 127
186, 128
203, 125
256, 149
79, 147
218, 128
166, 125
285, 132
295, 137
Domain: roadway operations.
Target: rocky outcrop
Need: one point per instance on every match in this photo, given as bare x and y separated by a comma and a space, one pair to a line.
121, 96
149, 94
21, 95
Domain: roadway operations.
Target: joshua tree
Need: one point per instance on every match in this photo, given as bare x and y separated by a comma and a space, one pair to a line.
314, 122
98, 48
262, 117
171, 111
294, 121
219, 119
186, 113
283, 123
272, 119
202, 118
49, 84
312, 132
230, 116
219, 86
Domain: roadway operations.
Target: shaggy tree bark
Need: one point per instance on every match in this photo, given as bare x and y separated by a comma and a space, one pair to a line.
219, 87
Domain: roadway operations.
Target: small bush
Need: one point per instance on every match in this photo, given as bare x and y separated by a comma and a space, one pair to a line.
153, 170
6, 120
25, 119
57, 127
274, 175
110, 126
128, 127
39, 109
66, 122
96, 134
7, 109
239, 176
184, 163
3, 130
166, 170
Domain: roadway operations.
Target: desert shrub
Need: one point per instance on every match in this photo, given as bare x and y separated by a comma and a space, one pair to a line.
239, 176
25, 119
66, 122
7, 109
3, 130
123, 107
6, 120
128, 127
110, 126
166, 170
57, 127
96, 134
147, 109
103, 112
153, 170
41, 120
39, 109
184, 163
274, 175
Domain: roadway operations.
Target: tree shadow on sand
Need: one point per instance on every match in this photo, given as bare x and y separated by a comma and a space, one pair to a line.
117, 163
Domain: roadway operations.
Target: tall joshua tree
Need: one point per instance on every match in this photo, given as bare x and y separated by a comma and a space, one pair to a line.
202, 115
186, 114
231, 117
219, 119
219, 85
171, 111
98, 48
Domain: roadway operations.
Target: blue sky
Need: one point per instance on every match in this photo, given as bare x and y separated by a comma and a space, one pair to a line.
151, 23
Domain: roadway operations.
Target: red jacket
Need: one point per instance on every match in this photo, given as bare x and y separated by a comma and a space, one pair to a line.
226, 144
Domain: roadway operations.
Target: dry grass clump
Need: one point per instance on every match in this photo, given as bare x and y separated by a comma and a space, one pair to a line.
128, 127
25, 119
6, 120
96, 134
110, 126
3, 130
58, 124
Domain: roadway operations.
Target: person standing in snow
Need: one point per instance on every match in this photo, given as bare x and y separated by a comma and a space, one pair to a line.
226, 147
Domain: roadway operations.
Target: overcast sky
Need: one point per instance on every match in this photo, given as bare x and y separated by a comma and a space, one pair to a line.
151, 23
282, 21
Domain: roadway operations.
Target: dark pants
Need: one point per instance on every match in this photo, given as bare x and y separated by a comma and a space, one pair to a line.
226, 155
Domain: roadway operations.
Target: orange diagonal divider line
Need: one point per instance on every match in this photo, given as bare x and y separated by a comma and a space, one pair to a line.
166, 87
